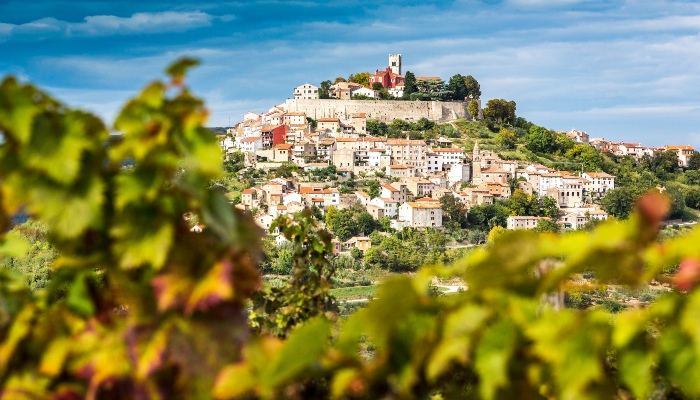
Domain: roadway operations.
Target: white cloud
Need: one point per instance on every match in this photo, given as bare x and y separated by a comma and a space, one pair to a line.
106, 25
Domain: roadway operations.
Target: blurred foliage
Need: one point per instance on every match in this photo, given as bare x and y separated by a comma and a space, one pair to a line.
138, 306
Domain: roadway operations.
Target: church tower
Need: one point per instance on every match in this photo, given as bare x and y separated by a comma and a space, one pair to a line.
395, 63
476, 164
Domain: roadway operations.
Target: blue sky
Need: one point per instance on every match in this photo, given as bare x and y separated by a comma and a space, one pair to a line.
620, 69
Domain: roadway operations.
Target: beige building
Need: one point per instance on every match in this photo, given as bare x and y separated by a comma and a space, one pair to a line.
399, 171
306, 91
421, 214
525, 222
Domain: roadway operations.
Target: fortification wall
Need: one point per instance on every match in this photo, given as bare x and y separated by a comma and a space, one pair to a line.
382, 110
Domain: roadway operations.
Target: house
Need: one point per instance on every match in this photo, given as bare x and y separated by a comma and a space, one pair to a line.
683, 153
328, 197
572, 221
375, 211
418, 186
600, 182
395, 191
273, 134
366, 92
306, 91
343, 90
524, 222
362, 198
421, 214
251, 144
399, 171
252, 197
330, 124
497, 189
459, 173
302, 151
387, 78
447, 157
283, 152
296, 119
567, 196
363, 243
389, 206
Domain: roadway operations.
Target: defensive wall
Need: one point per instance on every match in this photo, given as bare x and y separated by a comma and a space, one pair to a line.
382, 110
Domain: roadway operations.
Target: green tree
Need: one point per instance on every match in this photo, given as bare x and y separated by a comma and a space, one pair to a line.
453, 210
409, 85
324, 90
366, 224
473, 87
541, 140
619, 202
377, 86
339, 79
506, 139
373, 188
234, 162
457, 86
361, 77
692, 198
341, 223
473, 109
496, 233
549, 207
547, 225
500, 111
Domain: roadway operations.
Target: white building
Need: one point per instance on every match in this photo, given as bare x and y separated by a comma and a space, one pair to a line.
421, 214
390, 206
306, 91
600, 182
524, 222
366, 92
251, 144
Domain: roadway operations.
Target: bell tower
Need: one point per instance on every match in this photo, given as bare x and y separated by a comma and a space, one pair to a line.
395, 63
476, 164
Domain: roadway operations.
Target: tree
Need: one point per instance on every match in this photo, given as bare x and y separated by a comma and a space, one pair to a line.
506, 139
341, 223
409, 85
547, 225
361, 77
234, 162
458, 88
453, 210
541, 140
431, 89
366, 224
373, 188
500, 111
339, 79
619, 202
496, 233
692, 198
324, 89
549, 207
473, 87
377, 86
312, 122
473, 109
694, 161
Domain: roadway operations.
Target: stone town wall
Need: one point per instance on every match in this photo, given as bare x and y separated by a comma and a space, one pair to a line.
382, 110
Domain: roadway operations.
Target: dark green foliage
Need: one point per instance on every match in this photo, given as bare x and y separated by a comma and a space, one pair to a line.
692, 198
234, 162
458, 88
473, 87
35, 264
453, 211
410, 86
500, 111
694, 161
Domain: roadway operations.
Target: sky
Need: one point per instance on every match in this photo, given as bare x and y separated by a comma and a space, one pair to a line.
626, 70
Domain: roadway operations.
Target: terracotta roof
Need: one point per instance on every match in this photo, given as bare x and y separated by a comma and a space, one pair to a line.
248, 191
447, 150
386, 200
284, 146
679, 147
598, 175
390, 188
328, 120
424, 204
250, 139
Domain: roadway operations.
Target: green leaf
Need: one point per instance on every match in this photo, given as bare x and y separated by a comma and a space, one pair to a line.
178, 69
493, 354
301, 350
79, 299
233, 381
55, 356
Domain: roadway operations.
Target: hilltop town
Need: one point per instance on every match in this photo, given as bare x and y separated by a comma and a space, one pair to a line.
329, 140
